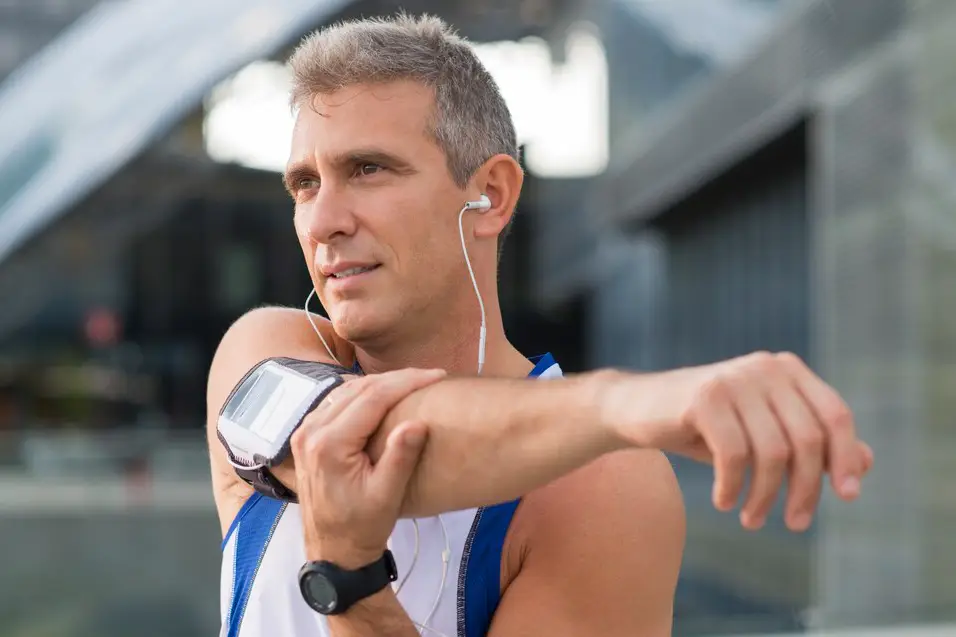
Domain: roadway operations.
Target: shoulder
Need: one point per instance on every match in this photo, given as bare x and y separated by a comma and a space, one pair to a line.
632, 496
258, 334
613, 532
264, 333
279, 331
267, 332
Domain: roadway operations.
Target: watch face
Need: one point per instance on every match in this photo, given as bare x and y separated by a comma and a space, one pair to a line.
321, 593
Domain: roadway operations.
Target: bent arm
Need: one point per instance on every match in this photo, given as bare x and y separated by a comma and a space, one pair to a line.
493, 440
490, 440
256, 336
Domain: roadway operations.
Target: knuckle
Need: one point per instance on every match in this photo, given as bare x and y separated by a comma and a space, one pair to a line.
715, 390
374, 397
761, 361
838, 416
317, 446
789, 359
359, 384
297, 441
774, 455
735, 458
808, 441
363, 391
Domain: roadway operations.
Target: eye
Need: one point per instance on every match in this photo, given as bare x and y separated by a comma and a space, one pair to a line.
306, 183
367, 169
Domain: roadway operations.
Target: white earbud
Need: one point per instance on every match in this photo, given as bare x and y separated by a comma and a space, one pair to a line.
483, 203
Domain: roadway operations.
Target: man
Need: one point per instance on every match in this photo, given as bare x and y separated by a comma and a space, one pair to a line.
540, 507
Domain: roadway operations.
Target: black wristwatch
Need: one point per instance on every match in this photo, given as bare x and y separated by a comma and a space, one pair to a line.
331, 590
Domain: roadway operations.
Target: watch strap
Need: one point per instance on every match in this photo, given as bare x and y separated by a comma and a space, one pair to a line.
352, 586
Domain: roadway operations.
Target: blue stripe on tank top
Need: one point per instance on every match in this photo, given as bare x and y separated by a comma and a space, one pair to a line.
482, 581
257, 521
246, 506
541, 364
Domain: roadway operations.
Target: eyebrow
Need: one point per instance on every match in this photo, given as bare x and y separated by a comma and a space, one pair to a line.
304, 169
295, 172
373, 156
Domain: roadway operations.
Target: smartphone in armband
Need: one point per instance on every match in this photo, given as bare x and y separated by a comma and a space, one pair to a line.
268, 405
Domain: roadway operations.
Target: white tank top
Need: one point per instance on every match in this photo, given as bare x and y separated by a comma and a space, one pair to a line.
264, 549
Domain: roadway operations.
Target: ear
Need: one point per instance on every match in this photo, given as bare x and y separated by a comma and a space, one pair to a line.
501, 179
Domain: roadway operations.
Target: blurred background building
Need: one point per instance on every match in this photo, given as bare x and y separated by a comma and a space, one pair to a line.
705, 178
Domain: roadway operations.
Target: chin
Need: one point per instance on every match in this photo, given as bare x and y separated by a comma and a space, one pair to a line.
359, 325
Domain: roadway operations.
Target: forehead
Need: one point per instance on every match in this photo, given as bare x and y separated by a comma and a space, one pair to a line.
394, 116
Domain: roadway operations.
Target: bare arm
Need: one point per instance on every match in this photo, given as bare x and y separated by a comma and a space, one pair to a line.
495, 440
602, 552
490, 440
381, 615
258, 335
596, 552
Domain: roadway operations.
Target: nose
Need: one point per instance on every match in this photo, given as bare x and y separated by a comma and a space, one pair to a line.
327, 218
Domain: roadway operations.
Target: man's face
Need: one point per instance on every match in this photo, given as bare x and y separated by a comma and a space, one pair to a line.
375, 208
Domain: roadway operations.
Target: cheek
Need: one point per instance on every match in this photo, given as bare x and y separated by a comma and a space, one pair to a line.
438, 259
308, 251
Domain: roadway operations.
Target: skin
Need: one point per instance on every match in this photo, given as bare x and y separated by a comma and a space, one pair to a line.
596, 544
371, 187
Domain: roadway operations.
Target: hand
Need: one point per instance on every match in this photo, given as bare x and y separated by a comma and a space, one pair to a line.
766, 413
350, 506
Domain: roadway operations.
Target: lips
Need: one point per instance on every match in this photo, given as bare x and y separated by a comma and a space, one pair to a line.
345, 270
353, 271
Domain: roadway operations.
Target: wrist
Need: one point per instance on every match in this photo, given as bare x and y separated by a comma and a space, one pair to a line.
342, 554
597, 391
369, 607
378, 614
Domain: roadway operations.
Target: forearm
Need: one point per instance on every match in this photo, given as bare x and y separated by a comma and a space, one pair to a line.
494, 440
380, 615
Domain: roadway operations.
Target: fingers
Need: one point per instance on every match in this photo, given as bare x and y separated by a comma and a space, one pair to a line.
808, 443
771, 415
770, 450
343, 423
392, 472
361, 411
845, 455
356, 409
727, 442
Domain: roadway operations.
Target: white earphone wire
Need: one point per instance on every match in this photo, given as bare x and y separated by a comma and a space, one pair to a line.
315, 327
445, 558
474, 283
411, 567
429, 629
446, 553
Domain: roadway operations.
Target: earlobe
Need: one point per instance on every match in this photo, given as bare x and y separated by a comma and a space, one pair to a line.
491, 222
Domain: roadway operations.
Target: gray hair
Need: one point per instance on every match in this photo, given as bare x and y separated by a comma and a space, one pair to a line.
471, 122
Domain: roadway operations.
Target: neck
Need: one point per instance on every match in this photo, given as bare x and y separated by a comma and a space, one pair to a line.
451, 345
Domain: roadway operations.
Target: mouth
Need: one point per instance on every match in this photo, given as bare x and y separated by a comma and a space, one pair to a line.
352, 272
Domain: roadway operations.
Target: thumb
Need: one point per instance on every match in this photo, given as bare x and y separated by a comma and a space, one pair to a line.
393, 470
